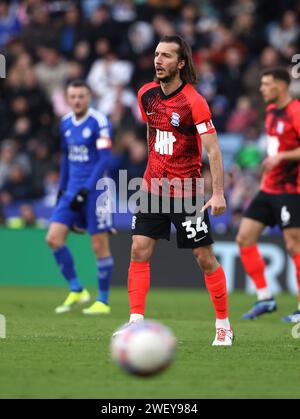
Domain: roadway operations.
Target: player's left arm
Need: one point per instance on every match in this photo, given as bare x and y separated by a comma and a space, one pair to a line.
205, 128
217, 202
272, 161
104, 150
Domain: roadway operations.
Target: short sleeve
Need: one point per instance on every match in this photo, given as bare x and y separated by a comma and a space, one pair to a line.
202, 116
296, 118
63, 144
142, 110
103, 134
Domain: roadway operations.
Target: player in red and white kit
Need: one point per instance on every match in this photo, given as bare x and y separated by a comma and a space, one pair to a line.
179, 122
278, 201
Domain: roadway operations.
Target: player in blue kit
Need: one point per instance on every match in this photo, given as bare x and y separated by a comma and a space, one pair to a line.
86, 145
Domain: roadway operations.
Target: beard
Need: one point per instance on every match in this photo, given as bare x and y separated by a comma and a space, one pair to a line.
81, 113
271, 100
168, 77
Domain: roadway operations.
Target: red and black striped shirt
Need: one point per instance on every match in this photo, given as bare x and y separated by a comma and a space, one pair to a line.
283, 134
175, 124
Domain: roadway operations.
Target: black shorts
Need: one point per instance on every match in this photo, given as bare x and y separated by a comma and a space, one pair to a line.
192, 230
272, 209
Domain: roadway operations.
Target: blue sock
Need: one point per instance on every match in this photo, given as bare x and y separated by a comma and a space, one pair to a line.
65, 262
104, 268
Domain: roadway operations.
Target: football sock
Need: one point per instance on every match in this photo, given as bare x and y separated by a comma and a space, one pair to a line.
216, 286
222, 323
296, 259
263, 294
65, 262
135, 317
255, 266
104, 271
138, 286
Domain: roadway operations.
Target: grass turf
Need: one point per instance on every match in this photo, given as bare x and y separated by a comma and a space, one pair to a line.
67, 356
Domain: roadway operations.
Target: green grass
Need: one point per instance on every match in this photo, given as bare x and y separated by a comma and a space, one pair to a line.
67, 356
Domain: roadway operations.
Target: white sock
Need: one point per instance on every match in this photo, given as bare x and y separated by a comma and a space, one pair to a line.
223, 323
264, 294
136, 317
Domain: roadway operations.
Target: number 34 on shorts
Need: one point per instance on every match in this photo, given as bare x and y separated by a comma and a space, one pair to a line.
192, 229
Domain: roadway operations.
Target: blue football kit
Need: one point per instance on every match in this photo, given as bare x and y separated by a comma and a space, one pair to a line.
86, 146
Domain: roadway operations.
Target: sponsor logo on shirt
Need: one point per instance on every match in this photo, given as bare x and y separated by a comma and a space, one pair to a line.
78, 153
280, 127
164, 142
272, 145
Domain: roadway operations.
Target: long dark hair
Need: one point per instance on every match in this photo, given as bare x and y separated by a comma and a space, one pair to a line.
188, 73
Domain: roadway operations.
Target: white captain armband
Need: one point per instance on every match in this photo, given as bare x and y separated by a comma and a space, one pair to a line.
205, 127
102, 143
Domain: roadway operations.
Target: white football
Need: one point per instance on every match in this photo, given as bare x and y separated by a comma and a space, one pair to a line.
144, 348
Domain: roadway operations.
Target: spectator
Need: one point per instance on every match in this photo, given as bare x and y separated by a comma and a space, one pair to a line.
231, 85
208, 80
162, 26
18, 186
248, 31
10, 26
284, 33
51, 71
26, 219
40, 165
131, 154
71, 30
50, 187
250, 155
9, 156
242, 117
123, 11
108, 76
141, 37
269, 57
40, 30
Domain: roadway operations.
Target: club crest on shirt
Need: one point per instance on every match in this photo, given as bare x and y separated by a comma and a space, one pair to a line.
68, 133
86, 133
280, 127
175, 119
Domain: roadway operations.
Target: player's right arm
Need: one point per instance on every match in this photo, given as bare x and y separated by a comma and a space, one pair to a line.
64, 167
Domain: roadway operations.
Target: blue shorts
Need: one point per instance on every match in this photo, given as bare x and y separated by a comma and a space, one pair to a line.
95, 216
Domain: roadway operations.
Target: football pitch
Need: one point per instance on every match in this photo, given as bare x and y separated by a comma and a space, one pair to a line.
67, 356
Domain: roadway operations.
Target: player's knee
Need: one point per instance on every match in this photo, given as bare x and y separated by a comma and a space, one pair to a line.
292, 246
206, 260
53, 241
242, 239
140, 251
100, 247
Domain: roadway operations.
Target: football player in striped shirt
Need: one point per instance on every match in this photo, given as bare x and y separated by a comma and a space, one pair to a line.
179, 123
278, 200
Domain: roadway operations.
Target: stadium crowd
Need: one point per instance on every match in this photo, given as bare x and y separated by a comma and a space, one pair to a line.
47, 44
